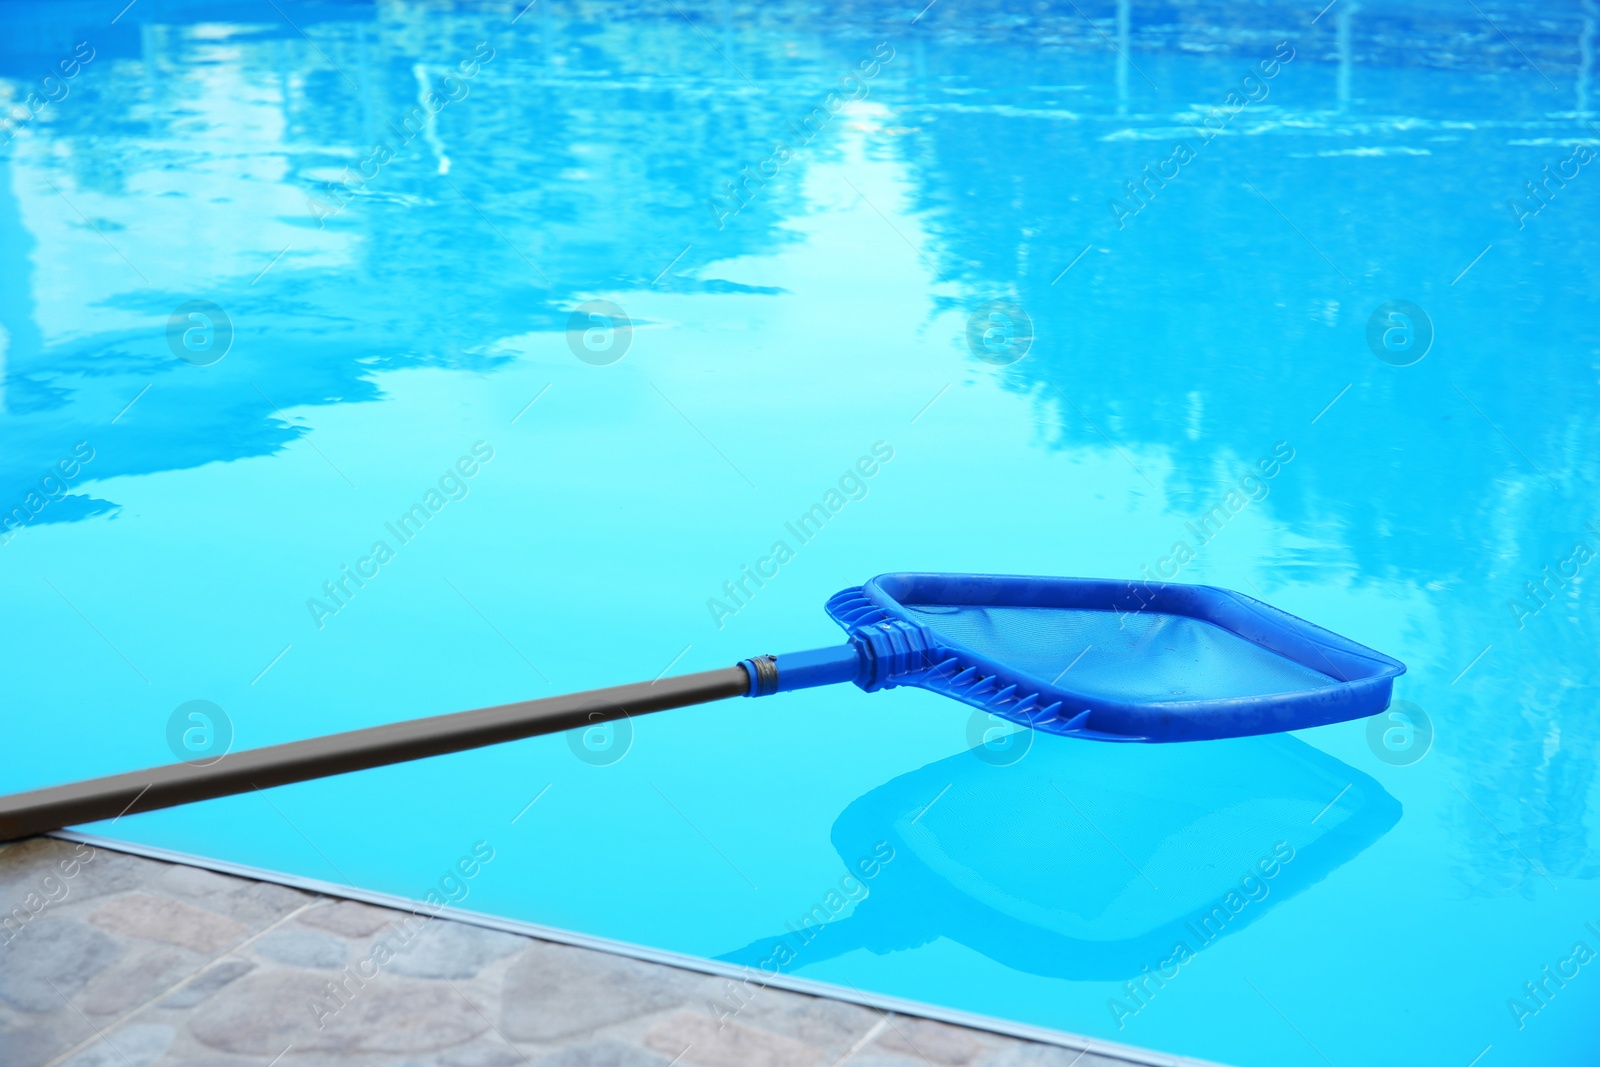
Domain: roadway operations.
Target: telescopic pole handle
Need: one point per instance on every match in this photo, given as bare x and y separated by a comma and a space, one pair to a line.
42, 810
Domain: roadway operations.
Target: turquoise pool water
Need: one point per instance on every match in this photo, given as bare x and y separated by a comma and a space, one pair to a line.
307, 418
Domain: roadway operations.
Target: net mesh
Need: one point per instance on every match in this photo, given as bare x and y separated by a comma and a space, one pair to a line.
1143, 657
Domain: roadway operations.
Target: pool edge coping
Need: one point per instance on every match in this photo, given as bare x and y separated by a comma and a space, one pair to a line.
1132, 1054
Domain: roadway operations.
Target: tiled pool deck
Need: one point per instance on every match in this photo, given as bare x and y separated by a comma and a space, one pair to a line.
134, 962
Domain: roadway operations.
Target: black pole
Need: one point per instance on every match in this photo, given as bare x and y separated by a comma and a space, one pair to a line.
26, 814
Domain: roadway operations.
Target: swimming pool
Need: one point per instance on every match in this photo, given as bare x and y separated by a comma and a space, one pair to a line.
286, 283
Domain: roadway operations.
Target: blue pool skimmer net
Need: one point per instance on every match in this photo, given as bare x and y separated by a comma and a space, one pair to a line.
1089, 658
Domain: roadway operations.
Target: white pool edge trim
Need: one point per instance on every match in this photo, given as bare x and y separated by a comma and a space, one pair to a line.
1076, 1042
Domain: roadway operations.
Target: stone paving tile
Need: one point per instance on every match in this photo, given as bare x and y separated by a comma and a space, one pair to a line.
51, 959
556, 991
348, 918
176, 923
81, 871
700, 1039
140, 973
264, 1012
930, 1042
252, 903
128, 962
136, 1045
28, 1042
206, 982
454, 950
830, 1025
603, 1054
303, 948
1029, 1054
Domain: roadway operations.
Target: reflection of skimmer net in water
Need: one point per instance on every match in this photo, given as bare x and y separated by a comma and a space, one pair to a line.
1092, 862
